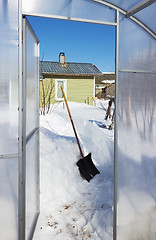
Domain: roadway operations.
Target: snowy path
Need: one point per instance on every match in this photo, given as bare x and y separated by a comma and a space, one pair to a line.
72, 208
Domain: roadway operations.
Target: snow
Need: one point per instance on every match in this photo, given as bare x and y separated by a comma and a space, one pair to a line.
71, 207
108, 81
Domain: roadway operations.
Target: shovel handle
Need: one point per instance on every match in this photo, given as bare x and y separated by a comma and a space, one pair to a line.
72, 123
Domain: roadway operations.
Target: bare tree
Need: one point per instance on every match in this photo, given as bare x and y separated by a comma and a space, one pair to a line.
47, 93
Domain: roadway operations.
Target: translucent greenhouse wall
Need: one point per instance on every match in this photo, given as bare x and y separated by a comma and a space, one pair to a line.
136, 118
9, 78
9, 120
19, 138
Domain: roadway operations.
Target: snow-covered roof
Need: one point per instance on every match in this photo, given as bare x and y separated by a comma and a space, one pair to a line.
108, 81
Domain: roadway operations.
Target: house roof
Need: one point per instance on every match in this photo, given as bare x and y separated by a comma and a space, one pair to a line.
68, 68
105, 78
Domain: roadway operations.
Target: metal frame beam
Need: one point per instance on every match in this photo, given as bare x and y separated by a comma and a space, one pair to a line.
31, 134
134, 19
9, 156
139, 8
137, 71
116, 125
22, 133
69, 18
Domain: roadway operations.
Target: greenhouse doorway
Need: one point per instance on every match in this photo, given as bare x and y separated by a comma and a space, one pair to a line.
53, 131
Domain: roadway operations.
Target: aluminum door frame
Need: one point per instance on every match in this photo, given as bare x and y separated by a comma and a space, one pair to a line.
23, 139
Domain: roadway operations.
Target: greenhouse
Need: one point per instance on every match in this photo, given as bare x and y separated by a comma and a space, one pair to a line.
134, 210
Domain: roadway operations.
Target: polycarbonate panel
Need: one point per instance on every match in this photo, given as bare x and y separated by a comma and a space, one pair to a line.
86, 9
136, 170
148, 16
126, 5
8, 77
52, 7
9, 199
137, 47
32, 81
32, 184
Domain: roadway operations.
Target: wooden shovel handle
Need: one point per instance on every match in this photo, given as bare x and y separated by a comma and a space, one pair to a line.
72, 123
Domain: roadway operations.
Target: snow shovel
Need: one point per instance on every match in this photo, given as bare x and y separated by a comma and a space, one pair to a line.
85, 164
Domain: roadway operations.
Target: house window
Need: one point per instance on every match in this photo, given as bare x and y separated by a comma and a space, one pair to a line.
58, 91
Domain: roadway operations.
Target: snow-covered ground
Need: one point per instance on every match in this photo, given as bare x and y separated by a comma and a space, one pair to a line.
71, 207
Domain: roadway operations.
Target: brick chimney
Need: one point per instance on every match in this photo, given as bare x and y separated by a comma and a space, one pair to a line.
62, 58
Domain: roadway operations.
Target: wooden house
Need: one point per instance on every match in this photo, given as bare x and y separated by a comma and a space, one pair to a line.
78, 80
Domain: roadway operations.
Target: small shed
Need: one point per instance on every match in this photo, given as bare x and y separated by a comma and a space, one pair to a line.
105, 85
78, 80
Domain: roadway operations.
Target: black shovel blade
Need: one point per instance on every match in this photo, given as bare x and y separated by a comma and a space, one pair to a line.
92, 170
83, 170
87, 168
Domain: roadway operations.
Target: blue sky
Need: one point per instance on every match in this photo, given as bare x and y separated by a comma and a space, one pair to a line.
81, 42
